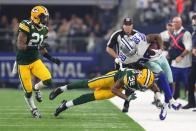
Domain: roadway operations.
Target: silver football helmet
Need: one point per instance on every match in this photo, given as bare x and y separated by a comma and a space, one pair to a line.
127, 46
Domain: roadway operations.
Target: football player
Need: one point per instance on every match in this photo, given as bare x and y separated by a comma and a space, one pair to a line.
115, 44
158, 63
106, 86
148, 51
29, 44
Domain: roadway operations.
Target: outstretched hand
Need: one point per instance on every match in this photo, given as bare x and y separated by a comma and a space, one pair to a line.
56, 61
131, 97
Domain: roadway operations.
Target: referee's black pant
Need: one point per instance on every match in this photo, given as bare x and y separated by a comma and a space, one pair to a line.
191, 88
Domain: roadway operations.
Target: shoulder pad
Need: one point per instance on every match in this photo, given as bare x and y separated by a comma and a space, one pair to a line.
24, 26
26, 22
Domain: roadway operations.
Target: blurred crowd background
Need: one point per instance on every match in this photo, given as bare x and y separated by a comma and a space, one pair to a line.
85, 26
76, 27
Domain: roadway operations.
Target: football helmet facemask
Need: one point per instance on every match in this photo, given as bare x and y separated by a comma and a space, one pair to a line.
40, 16
127, 46
145, 79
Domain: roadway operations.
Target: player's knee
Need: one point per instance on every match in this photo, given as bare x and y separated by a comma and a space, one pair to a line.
161, 74
48, 82
28, 94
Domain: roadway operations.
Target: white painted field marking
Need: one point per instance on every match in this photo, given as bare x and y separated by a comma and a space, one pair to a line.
147, 115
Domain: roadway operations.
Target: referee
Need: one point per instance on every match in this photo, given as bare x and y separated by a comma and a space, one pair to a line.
113, 47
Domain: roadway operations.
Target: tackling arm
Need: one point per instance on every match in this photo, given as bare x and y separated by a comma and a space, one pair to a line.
118, 93
112, 53
155, 88
116, 88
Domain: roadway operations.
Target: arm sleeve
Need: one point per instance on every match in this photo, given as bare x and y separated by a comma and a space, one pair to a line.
194, 42
187, 41
113, 40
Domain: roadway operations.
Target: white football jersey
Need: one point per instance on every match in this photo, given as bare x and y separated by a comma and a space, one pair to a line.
141, 46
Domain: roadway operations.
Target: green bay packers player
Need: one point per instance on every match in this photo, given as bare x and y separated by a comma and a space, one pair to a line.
106, 86
29, 45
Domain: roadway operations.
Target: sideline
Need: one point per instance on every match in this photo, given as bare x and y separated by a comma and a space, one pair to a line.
147, 115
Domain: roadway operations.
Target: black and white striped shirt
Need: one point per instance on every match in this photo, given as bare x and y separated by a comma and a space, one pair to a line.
115, 37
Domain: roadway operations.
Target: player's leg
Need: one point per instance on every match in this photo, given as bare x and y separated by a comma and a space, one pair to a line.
89, 97
168, 72
77, 101
184, 78
191, 97
41, 72
25, 79
156, 68
74, 85
102, 86
176, 77
163, 84
93, 84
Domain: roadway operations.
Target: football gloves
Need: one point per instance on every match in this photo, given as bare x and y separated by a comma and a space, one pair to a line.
117, 60
56, 61
157, 100
131, 97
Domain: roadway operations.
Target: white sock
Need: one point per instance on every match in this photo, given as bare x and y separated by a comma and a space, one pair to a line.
166, 105
63, 88
15, 68
39, 85
30, 103
172, 101
69, 104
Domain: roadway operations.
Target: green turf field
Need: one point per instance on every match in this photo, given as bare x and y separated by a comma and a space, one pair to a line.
94, 116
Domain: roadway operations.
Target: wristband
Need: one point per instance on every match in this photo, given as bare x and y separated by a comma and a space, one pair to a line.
46, 55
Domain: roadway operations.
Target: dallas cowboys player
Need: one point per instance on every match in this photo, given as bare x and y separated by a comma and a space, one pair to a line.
142, 49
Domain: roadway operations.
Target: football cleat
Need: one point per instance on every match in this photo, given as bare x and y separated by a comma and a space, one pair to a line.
35, 113
163, 113
176, 106
55, 93
38, 95
61, 108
